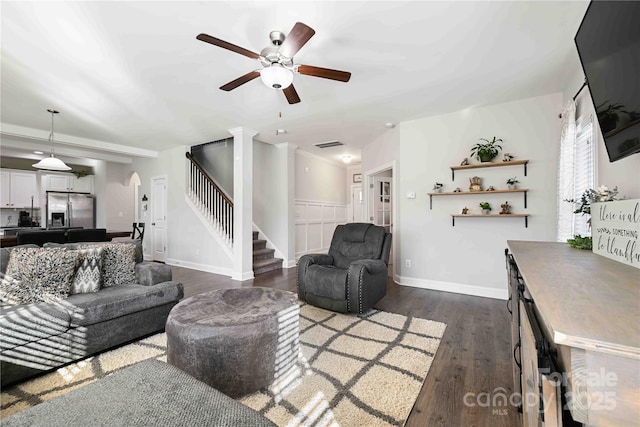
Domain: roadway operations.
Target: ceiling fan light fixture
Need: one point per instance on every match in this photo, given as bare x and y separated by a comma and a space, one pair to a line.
276, 77
51, 162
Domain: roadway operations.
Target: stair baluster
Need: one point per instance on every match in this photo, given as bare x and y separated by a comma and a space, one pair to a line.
211, 200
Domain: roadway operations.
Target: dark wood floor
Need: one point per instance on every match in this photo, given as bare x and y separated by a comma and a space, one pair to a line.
473, 362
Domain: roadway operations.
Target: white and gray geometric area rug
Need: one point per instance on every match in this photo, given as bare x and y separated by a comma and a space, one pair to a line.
352, 371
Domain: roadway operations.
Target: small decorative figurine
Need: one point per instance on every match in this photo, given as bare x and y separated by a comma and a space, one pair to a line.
475, 184
437, 187
506, 209
457, 190
465, 162
465, 211
491, 188
507, 157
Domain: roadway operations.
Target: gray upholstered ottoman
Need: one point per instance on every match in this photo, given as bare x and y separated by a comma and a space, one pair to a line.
236, 340
150, 393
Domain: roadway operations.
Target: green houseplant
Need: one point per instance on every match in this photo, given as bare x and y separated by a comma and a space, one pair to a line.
511, 183
583, 206
487, 151
486, 207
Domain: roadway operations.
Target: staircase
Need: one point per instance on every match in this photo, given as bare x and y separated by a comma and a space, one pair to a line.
263, 259
217, 208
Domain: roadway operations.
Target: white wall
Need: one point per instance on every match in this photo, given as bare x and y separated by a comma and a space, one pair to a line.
270, 194
352, 170
469, 257
217, 160
119, 209
319, 180
381, 151
100, 190
188, 241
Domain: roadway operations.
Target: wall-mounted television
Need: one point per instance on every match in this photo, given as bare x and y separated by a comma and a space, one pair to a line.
608, 43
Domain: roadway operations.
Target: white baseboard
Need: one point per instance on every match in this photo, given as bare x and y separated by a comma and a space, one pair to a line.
457, 288
200, 267
289, 264
247, 275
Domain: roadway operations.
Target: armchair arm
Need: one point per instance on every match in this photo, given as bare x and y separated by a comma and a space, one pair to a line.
152, 273
303, 264
366, 284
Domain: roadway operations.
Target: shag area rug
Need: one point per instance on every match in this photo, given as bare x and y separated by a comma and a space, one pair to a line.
352, 371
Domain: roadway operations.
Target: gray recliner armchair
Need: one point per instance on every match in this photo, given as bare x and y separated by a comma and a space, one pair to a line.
352, 278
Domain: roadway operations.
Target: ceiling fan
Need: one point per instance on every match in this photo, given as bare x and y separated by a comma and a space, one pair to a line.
277, 61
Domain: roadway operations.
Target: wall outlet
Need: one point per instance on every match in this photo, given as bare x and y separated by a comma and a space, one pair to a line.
407, 263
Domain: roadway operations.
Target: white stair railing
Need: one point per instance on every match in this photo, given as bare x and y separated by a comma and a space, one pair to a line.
214, 205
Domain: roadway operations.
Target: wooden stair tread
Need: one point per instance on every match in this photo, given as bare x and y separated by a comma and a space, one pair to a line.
269, 261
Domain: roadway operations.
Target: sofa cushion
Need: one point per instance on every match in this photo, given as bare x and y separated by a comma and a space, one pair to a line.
88, 277
327, 281
5, 253
46, 275
116, 301
118, 263
137, 244
27, 323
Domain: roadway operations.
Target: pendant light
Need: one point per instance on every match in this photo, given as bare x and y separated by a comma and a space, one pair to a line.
52, 163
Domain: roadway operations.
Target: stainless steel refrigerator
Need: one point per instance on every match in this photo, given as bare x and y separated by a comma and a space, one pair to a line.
70, 210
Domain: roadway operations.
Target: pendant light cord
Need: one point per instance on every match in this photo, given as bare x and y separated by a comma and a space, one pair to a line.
53, 113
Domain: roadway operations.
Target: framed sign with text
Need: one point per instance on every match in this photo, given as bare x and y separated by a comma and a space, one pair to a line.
615, 227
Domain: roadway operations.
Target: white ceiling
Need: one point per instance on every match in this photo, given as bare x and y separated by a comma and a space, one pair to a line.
130, 78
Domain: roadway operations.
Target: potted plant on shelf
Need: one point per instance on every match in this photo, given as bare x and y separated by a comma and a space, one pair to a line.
486, 207
437, 187
487, 151
511, 183
583, 206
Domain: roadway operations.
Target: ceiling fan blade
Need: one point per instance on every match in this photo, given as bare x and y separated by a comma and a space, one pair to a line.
241, 80
226, 45
298, 37
291, 94
325, 73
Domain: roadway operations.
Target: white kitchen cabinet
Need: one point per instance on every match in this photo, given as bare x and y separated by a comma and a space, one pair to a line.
68, 182
83, 185
19, 189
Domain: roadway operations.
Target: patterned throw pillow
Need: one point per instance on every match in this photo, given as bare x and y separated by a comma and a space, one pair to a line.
88, 277
118, 263
39, 275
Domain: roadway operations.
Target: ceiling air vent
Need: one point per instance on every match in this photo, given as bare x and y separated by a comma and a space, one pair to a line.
328, 144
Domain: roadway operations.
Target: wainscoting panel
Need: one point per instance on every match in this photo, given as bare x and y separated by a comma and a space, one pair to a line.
315, 223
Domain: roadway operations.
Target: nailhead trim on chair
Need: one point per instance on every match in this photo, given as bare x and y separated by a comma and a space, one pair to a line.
360, 289
348, 299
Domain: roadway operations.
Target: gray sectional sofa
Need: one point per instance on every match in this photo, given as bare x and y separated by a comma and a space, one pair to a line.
39, 337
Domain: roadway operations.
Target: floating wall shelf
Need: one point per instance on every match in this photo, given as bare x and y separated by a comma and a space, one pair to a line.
525, 216
489, 165
466, 193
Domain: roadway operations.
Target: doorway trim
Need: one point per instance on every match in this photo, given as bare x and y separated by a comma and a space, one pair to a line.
368, 179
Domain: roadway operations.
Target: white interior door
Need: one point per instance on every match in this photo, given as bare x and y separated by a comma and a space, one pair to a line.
357, 203
382, 211
159, 218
